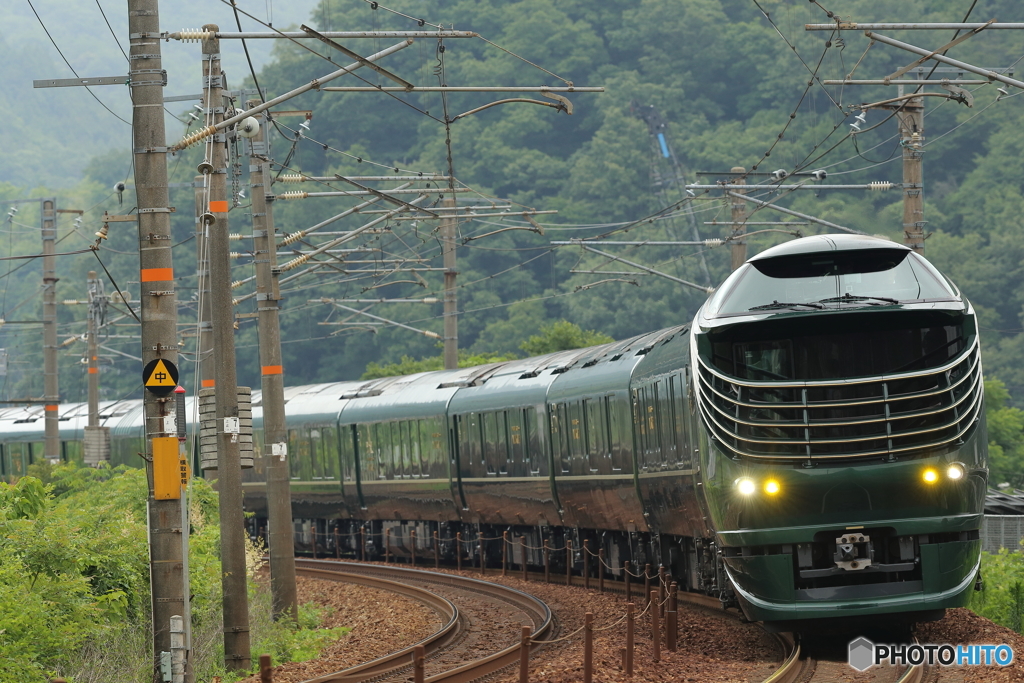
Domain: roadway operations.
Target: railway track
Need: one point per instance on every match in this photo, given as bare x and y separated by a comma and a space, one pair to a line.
445, 653
448, 661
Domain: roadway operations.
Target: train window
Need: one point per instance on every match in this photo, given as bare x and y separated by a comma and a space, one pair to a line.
682, 422
504, 451
639, 429
331, 457
516, 445
346, 451
470, 450
36, 453
597, 434
620, 453
577, 437
369, 464
316, 456
18, 457
434, 442
560, 437
653, 426
669, 420
411, 438
72, 451
382, 441
493, 458
298, 455
535, 455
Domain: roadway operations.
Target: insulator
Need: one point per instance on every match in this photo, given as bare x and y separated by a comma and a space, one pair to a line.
236, 254
289, 178
189, 35
237, 283
294, 237
714, 242
236, 236
192, 139
295, 194
879, 186
71, 302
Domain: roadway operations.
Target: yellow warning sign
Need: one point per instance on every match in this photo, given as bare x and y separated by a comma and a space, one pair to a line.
160, 376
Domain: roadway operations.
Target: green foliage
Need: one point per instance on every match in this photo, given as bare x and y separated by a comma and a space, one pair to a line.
1002, 597
410, 366
1006, 436
562, 335
74, 582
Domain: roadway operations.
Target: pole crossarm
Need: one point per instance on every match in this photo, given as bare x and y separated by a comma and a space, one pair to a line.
187, 35
791, 212
920, 26
315, 84
875, 186
299, 178
930, 54
465, 88
357, 193
901, 81
652, 271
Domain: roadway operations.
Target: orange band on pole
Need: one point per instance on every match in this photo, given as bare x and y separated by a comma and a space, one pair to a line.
207, 383
93, 371
273, 369
51, 408
157, 274
219, 207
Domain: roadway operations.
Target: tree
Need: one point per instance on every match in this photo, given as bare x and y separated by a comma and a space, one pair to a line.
562, 335
411, 366
1006, 436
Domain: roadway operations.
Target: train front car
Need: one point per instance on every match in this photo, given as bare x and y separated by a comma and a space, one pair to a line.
844, 447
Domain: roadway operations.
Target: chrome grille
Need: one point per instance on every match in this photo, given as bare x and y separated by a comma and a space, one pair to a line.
874, 416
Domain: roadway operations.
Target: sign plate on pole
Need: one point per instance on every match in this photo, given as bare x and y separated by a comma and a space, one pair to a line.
160, 376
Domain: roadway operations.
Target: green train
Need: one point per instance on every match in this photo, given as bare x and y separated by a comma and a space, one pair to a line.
811, 449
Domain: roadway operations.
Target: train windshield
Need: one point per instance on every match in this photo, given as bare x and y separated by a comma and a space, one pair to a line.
829, 280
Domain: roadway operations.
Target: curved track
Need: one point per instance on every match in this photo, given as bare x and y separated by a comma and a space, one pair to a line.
797, 666
420, 585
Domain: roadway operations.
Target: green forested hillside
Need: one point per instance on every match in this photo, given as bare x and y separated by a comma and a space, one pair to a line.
726, 84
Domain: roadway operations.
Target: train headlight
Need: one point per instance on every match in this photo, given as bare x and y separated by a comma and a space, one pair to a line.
771, 487
955, 471
930, 476
746, 486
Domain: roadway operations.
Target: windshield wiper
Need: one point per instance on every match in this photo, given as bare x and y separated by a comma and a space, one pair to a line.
845, 298
783, 304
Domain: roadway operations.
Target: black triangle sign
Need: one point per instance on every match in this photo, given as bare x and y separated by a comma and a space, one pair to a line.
160, 376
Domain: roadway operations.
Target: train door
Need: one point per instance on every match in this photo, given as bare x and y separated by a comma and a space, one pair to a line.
455, 468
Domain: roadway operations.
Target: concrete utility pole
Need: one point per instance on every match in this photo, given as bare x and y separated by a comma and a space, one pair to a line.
95, 291
159, 309
451, 308
911, 120
204, 338
97, 438
738, 247
51, 388
232, 522
275, 431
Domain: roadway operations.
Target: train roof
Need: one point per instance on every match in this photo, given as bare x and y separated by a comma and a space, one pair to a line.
820, 243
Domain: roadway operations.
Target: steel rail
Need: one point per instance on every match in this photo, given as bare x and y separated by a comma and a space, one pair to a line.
471, 671
400, 658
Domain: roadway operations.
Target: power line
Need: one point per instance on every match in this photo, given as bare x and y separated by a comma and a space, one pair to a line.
45, 30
